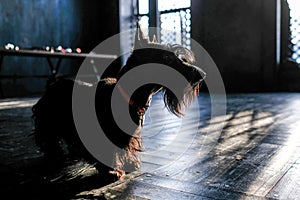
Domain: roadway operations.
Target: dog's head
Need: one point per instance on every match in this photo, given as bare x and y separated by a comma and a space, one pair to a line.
174, 56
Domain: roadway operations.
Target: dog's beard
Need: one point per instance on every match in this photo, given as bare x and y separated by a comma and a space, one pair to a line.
176, 106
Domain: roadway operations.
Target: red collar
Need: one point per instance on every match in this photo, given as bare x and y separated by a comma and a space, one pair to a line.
140, 110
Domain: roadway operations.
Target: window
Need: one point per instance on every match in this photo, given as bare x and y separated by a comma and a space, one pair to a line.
295, 30
173, 17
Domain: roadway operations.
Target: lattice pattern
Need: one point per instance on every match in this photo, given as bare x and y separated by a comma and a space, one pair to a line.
173, 4
295, 30
176, 27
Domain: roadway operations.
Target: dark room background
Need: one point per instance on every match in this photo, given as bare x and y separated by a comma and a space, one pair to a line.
248, 40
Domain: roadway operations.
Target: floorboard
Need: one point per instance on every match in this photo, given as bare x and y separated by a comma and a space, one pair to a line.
255, 156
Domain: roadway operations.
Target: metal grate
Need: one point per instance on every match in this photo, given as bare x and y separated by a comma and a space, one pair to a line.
295, 30
178, 26
164, 5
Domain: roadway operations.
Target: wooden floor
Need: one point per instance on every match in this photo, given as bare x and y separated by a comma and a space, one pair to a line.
255, 156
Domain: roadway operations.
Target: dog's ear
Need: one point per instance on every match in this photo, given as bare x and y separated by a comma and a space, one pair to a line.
154, 40
140, 41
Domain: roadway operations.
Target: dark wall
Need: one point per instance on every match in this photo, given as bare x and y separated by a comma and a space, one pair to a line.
38, 23
240, 36
100, 20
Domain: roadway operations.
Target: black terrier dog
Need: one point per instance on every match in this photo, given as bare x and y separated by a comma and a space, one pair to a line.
53, 112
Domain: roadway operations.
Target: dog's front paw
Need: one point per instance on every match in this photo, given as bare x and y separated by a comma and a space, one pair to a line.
118, 173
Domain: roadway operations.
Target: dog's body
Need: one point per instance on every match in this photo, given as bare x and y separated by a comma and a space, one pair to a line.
53, 112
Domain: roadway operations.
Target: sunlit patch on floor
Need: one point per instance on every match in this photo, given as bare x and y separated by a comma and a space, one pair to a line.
14, 103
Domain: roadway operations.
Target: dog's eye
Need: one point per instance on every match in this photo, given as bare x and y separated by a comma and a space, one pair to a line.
182, 57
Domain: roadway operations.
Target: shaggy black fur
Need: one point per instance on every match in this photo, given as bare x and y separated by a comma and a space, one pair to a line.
53, 118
